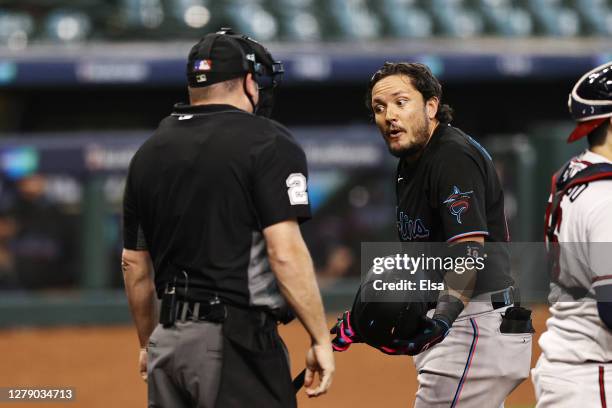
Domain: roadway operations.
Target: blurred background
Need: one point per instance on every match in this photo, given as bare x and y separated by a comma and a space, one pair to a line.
84, 82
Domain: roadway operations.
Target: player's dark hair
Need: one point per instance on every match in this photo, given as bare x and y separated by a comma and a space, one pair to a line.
598, 136
420, 77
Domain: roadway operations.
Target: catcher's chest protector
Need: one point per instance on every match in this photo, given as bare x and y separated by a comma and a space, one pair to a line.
562, 183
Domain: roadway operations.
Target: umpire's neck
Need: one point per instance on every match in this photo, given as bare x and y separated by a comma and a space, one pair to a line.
242, 93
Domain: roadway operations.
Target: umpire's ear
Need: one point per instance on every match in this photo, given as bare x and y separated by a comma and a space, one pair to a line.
431, 107
251, 88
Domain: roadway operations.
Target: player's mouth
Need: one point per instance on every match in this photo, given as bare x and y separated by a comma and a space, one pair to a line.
395, 132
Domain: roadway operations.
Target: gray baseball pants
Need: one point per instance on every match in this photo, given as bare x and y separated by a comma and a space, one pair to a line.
476, 366
184, 365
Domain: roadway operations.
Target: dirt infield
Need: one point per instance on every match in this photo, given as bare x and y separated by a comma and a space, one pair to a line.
100, 363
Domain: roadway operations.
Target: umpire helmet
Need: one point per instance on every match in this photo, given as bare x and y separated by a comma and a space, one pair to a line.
590, 101
226, 55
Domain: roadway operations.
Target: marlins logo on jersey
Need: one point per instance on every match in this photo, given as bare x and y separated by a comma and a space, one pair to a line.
458, 202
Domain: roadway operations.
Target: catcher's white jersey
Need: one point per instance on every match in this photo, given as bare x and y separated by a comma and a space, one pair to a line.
575, 332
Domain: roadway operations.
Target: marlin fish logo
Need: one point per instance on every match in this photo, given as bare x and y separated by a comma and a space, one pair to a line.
458, 202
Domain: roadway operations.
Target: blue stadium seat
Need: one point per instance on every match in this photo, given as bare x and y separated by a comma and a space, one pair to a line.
251, 18
297, 19
595, 15
453, 19
404, 18
349, 20
552, 18
16, 29
505, 19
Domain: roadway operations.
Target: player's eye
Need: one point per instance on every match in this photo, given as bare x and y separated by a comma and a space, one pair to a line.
379, 108
402, 102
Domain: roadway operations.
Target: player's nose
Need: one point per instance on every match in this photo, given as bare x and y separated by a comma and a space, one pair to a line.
391, 115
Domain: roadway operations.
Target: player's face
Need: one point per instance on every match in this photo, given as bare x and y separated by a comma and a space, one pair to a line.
401, 115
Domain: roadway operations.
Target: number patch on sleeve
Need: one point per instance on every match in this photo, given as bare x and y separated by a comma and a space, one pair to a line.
296, 182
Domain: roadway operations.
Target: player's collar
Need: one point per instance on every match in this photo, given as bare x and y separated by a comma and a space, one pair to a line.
592, 157
181, 108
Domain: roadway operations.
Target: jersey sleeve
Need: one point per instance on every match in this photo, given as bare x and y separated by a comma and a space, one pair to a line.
281, 182
599, 234
133, 236
457, 189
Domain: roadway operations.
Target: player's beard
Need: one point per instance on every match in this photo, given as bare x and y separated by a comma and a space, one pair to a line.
420, 132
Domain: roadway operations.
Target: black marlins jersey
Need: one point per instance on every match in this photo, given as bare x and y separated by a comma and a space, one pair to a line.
452, 191
199, 193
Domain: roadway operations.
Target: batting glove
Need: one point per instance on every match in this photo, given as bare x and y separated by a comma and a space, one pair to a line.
345, 335
431, 332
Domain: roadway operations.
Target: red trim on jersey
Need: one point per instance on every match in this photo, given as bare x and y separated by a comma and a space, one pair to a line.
600, 278
588, 163
468, 234
602, 387
553, 190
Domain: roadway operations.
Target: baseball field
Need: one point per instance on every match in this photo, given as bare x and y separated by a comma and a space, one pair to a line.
100, 364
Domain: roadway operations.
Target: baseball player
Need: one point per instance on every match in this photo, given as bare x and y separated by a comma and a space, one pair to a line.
474, 348
575, 365
214, 199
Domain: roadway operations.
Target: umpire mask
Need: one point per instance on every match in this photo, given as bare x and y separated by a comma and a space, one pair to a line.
225, 55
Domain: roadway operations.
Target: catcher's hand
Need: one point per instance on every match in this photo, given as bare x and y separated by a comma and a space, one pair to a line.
345, 335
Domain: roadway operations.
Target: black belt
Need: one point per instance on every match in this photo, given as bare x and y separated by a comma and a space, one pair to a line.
505, 298
210, 311
217, 312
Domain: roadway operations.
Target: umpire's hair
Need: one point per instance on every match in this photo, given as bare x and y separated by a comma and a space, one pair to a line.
420, 77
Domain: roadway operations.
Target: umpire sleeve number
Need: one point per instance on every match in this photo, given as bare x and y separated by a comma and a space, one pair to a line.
296, 182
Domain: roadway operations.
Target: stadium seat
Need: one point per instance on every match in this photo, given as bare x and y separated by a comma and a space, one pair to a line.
297, 21
552, 18
504, 18
404, 19
453, 19
595, 15
349, 20
16, 29
251, 18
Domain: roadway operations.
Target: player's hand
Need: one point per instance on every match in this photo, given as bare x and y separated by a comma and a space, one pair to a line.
430, 333
142, 364
320, 360
345, 335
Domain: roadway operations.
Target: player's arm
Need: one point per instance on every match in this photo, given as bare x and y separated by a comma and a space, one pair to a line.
461, 285
294, 271
599, 233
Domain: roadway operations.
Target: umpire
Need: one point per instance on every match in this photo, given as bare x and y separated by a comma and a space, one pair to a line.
211, 211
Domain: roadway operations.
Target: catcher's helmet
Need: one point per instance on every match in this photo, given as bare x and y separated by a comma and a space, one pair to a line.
590, 101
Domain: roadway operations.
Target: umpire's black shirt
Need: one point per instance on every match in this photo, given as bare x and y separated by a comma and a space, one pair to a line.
199, 193
452, 191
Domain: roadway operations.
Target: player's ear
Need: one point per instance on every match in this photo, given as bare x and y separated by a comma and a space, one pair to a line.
431, 107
